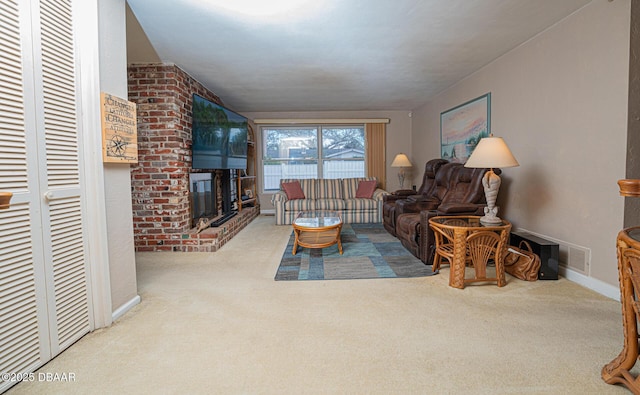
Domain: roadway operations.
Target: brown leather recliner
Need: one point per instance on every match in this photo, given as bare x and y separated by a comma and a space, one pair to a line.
432, 199
426, 189
459, 191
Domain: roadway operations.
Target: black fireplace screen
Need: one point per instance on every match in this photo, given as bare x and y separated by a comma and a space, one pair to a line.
203, 196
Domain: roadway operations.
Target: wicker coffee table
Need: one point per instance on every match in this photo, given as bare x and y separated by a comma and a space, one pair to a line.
317, 229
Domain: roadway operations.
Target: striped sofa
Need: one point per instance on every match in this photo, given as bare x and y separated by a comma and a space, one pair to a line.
329, 194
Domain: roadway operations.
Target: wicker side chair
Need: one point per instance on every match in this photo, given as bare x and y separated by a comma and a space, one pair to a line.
444, 242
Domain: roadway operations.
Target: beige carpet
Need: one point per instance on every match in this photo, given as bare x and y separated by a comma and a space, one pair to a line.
219, 324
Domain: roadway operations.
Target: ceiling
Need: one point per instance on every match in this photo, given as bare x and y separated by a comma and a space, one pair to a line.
338, 54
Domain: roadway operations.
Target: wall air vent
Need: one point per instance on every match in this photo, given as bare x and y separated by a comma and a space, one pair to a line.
570, 256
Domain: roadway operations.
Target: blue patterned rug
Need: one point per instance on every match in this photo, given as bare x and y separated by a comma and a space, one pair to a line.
369, 251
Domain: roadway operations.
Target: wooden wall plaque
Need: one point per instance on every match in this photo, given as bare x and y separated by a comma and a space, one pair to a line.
119, 130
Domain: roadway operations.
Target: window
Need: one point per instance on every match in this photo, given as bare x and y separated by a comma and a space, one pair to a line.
311, 152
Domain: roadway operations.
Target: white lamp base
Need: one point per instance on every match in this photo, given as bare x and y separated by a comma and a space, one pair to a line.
490, 217
401, 178
491, 183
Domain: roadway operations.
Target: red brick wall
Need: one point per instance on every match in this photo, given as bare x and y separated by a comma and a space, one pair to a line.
160, 181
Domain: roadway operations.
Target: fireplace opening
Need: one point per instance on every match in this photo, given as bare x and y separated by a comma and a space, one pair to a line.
213, 196
228, 194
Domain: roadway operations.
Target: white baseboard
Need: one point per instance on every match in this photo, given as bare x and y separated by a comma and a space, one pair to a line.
598, 286
120, 311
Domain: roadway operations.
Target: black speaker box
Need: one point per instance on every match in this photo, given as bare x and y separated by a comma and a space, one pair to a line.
548, 252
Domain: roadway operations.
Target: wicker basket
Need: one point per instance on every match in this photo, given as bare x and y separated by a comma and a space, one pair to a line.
522, 262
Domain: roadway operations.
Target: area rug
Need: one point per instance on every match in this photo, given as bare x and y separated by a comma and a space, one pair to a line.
369, 251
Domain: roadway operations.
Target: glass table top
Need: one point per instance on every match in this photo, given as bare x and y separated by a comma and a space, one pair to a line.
634, 233
466, 221
318, 219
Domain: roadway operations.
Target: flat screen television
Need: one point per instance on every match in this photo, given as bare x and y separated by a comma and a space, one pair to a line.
219, 136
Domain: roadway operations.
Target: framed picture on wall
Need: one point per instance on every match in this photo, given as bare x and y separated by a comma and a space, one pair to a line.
462, 127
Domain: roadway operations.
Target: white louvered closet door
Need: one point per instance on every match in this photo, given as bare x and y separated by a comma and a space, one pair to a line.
44, 304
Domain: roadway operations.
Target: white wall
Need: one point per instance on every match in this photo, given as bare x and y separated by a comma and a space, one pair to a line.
117, 181
560, 102
398, 139
139, 49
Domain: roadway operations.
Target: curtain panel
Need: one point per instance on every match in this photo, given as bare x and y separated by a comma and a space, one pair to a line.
375, 141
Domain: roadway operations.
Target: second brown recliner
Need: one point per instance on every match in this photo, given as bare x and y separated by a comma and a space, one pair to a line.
389, 212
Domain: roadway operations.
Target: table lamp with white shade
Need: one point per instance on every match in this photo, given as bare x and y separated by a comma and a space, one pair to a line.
402, 162
491, 152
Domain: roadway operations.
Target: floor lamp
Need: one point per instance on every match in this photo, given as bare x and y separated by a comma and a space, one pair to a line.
491, 152
402, 162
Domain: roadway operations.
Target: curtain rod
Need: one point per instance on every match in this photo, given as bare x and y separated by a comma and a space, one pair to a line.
281, 121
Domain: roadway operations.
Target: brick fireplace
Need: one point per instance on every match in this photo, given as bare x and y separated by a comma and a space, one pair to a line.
162, 216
